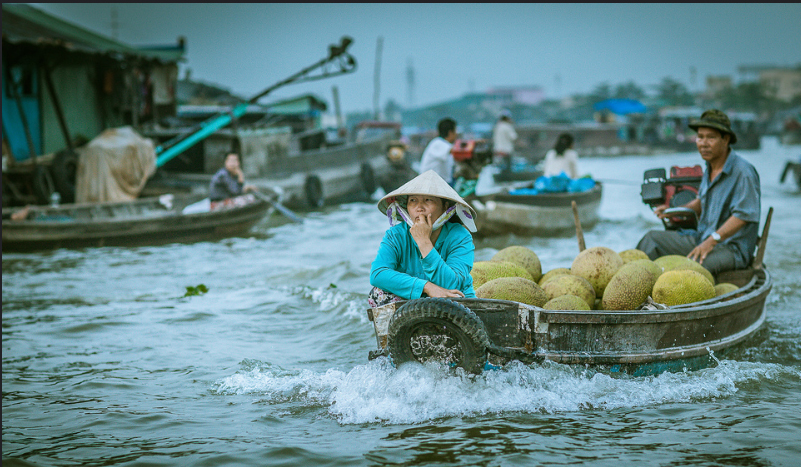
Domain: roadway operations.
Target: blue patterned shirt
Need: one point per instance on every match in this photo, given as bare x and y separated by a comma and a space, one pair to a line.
734, 192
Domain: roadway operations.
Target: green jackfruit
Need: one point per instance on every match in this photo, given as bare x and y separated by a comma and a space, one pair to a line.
682, 286
633, 254
568, 284
524, 257
667, 262
629, 288
516, 289
566, 302
598, 265
485, 271
649, 265
553, 273
724, 288
674, 262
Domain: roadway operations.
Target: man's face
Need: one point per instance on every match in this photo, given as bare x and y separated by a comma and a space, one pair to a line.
712, 144
451, 136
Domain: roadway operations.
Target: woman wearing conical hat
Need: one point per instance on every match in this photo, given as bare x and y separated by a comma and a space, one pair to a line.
428, 250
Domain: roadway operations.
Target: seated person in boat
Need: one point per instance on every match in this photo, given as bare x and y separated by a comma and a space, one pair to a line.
428, 250
229, 181
562, 158
727, 205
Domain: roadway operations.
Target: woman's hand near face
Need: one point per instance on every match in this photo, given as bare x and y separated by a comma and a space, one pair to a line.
433, 290
421, 233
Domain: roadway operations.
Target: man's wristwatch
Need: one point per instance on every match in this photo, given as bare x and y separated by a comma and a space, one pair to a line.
715, 236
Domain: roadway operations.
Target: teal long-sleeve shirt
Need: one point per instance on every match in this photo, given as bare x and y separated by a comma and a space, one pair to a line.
399, 269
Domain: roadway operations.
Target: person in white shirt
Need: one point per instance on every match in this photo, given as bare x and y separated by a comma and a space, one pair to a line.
503, 139
562, 158
437, 155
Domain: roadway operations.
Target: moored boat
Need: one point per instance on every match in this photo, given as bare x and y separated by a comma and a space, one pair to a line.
544, 214
146, 221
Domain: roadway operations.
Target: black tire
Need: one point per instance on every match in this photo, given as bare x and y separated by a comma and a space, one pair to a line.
438, 329
43, 185
65, 170
367, 176
313, 188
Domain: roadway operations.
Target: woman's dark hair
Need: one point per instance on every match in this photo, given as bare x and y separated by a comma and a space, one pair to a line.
563, 142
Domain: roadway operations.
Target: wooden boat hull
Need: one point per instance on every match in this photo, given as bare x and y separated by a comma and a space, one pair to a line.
548, 214
635, 342
141, 222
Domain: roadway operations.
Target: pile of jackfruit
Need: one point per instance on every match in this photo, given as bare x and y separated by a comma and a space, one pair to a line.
598, 279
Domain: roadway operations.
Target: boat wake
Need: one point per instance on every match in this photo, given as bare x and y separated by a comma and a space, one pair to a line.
379, 393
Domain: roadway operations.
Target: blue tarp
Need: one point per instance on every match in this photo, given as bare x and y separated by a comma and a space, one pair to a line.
557, 184
621, 106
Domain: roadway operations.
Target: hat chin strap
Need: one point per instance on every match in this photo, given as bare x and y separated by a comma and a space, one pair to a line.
397, 214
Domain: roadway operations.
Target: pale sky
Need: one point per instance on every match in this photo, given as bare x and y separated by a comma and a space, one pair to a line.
456, 48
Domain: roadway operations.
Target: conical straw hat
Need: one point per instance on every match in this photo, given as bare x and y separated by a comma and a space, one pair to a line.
427, 183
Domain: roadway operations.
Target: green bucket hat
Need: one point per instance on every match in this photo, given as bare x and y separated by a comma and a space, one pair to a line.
716, 119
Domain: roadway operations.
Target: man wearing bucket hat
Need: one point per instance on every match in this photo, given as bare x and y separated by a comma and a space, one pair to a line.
727, 205
428, 249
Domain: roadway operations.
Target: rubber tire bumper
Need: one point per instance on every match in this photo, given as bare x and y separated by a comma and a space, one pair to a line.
367, 176
65, 169
313, 189
445, 324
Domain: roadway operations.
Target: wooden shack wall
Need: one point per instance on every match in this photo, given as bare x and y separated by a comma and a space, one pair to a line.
87, 112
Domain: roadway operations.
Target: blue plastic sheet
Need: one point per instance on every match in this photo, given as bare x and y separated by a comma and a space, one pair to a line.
557, 184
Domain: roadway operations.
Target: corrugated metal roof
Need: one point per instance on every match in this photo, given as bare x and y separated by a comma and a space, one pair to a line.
306, 103
26, 24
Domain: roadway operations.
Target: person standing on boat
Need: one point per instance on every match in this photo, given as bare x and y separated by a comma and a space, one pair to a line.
437, 155
562, 158
428, 250
503, 140
229, 181
727, 205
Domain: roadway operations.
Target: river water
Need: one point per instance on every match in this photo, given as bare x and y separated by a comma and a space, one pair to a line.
105, 362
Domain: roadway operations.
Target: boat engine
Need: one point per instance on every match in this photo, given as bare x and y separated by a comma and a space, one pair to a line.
471, 155
675, 191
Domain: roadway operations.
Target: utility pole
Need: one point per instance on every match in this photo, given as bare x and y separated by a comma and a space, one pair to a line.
409, 83
377, 78
115, 24
337, 111
557, 81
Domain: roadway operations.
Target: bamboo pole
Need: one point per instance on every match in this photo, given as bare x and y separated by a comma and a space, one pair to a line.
579, 232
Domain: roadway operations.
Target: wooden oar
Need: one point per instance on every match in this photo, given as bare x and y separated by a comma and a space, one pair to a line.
279, 207
763, 241
579, 232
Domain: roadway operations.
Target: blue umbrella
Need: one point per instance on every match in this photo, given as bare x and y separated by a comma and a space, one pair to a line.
621, 106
